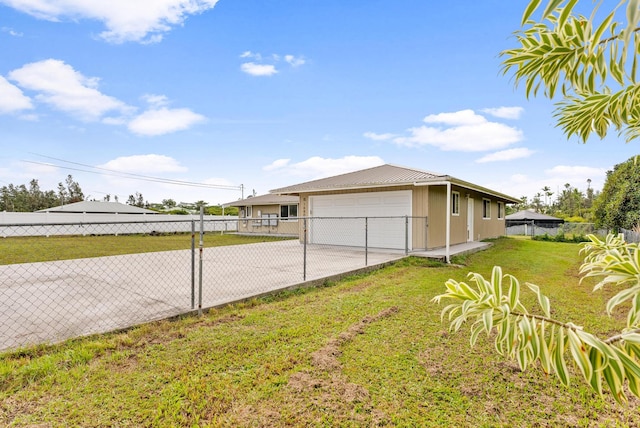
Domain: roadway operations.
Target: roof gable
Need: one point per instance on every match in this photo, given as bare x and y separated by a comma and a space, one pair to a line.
268, 199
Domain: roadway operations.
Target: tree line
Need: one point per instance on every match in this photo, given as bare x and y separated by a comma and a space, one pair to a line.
616, 207
30, 198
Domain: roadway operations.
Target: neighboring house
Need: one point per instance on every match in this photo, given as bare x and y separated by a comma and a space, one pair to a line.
443, 210
98, 207
532, 218
267, 214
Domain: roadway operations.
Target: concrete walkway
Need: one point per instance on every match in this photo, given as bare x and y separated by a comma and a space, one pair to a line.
53, 301
454, 250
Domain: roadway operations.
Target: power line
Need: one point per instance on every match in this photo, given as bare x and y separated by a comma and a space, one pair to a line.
130, 176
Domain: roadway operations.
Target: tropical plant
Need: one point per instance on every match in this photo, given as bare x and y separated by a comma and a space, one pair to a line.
618, 205
494, 305
590, 60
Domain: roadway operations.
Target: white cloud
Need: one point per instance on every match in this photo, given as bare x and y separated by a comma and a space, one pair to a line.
11, 31
506, 155
317, 167
576, 175
555, 178
463, 131
293, 61
277, 164
258, 69
144, 164
125, 20
156, 100
505, 112
12, 99
164, 121
63, 88
379, 137
458, 118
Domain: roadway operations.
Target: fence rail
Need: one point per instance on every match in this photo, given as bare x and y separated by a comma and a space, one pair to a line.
50, 301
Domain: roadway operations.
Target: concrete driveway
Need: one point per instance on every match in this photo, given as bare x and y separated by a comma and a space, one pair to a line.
52, 301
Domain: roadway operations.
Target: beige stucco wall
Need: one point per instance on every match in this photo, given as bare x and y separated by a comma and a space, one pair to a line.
255, 223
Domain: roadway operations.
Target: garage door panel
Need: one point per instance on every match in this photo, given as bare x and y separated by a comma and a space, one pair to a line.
381, 233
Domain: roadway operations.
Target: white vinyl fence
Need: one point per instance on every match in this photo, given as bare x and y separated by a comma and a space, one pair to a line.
530, 228
46, 224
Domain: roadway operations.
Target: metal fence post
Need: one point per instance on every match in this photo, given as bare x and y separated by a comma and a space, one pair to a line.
406, 235
366, 241
193, 264
201, 250
304, 261
426, 233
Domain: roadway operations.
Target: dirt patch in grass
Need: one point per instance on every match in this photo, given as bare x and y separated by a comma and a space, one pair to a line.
327, 387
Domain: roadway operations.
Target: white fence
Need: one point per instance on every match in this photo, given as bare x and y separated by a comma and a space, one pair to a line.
530, 228
630, 235
46, 224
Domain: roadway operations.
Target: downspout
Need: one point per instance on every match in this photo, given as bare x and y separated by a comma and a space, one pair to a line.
448, 225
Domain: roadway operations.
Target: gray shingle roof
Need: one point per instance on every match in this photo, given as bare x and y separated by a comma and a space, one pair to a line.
268, 199
383, 175
98, 207
531, 215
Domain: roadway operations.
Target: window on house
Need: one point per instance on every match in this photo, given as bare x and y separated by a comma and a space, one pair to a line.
249, 212
486, 208
455, 203
288, 211
500, 210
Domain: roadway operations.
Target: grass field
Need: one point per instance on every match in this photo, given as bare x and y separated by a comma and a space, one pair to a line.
367, 351
41, 249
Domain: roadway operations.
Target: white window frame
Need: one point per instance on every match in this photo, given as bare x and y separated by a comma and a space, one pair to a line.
289, 217
500, 210
486, 209
249, 211
455, 203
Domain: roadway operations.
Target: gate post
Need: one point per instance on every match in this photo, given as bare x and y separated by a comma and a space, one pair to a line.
366, 241
406, 235
193, 264
201, 248
304, 260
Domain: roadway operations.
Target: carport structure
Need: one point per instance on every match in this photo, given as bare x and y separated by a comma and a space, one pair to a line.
49, 302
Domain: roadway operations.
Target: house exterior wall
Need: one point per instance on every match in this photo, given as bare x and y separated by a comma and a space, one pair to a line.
485, 228
429, 211
257, 224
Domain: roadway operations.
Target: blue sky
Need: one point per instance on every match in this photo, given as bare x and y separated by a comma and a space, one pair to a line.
267, 94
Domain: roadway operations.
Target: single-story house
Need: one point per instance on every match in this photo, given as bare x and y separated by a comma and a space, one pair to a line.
444, 210
268, 214
532, 218
98, 207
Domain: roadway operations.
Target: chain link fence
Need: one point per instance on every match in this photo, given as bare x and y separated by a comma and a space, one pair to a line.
530, 228
56, 283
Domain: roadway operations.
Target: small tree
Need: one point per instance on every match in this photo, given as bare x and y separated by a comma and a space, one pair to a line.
618, 205
494, 305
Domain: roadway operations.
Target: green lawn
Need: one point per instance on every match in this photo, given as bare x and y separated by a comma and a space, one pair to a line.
367, 351
38, 249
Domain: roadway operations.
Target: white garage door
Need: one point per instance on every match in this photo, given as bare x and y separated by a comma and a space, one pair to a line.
339, 219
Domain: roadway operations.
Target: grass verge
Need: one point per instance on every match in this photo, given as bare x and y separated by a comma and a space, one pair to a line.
44, 249
367, 351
